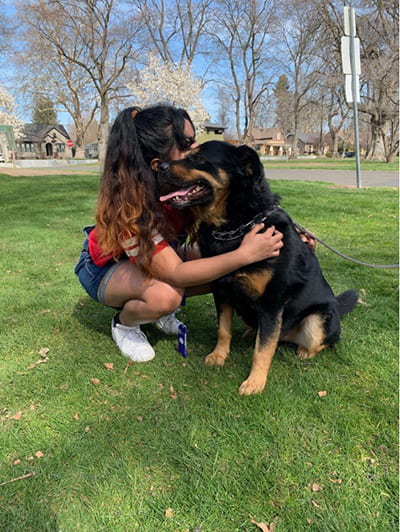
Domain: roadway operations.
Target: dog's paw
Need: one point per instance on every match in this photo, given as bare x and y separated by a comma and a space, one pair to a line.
252, 386
216, 358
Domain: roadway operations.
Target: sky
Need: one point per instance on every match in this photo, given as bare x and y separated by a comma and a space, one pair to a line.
24, 111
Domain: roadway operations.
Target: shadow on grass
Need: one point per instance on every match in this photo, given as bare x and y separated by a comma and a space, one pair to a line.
92, 315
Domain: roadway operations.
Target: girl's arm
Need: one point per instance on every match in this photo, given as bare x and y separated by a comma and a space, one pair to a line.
254, 247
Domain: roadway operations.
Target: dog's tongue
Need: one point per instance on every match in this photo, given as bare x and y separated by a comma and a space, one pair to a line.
182, 192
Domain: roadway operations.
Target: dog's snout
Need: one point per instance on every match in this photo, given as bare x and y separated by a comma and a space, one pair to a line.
164, 167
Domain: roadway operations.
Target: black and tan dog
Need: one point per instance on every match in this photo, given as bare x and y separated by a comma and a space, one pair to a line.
284, 298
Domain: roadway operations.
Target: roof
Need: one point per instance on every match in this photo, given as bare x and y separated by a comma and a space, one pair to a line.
209, 125
268, 133
308, 138
38, 132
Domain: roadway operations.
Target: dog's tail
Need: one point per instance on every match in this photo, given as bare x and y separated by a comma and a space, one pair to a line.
347, 301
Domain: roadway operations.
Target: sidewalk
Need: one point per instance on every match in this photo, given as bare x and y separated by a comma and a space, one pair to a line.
346, 178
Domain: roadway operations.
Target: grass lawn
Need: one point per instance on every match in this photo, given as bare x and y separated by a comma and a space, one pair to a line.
327, 163
91, 443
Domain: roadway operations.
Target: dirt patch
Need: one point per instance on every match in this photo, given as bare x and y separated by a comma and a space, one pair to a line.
19, 172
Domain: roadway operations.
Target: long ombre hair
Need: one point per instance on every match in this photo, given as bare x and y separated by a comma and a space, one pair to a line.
127, 205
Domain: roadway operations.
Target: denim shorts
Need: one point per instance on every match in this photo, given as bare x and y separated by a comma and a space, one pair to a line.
94, 278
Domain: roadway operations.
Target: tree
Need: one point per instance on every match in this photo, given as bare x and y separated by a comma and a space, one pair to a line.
380, 68
298, 38
240, 32
174, 30
88, 45
377, 29
166, 83
8, 117
44, 112
6, 33
283, 105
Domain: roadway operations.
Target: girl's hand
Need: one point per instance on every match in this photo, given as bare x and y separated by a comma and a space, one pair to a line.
259, 246
307, 238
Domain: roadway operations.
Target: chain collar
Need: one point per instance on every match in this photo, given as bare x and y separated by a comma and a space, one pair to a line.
244, 228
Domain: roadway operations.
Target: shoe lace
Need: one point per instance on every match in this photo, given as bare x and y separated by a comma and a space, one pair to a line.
170, 319
137, 334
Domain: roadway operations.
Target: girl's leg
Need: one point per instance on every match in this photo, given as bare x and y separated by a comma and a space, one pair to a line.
141, 301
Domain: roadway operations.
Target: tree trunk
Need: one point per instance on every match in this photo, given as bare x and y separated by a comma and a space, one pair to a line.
376, 150
103, 131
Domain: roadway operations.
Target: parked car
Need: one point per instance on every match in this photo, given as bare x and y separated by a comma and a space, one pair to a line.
2, 159
349, 154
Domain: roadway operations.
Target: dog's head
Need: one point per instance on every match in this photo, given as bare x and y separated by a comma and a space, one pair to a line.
207, 176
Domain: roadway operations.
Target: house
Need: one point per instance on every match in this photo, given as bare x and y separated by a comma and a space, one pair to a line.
92, 150
268, 141
211, 132
310, 143
38, 141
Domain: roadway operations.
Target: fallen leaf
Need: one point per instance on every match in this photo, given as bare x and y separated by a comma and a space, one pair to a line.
43, 352
323, 393
335, 480
169, 513
315, 487
109, 366
95, 381
75, 416
264, 527
139, 418
17, 416
172, 392
39, 454
87, 429
16, 461
314, 503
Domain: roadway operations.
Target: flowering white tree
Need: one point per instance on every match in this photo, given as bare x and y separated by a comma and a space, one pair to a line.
168, 83
8, 117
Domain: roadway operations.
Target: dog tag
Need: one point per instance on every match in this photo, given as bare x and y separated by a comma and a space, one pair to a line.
182, 340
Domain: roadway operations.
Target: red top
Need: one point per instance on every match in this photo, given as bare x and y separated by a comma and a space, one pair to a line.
179, 220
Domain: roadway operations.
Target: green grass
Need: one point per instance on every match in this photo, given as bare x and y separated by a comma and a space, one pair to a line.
326, 163
116, 454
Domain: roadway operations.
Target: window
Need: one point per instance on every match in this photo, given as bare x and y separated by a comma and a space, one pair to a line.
60, 148
26, 147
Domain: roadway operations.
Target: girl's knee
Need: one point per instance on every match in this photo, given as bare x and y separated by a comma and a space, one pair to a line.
168, 301
159, 300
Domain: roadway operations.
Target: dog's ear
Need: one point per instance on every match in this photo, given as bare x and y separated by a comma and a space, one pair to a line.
249, 161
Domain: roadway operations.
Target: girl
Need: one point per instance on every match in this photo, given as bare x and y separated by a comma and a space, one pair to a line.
130, 259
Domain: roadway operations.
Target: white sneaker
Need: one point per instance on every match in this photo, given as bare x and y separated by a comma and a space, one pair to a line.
132, 342
169, 324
